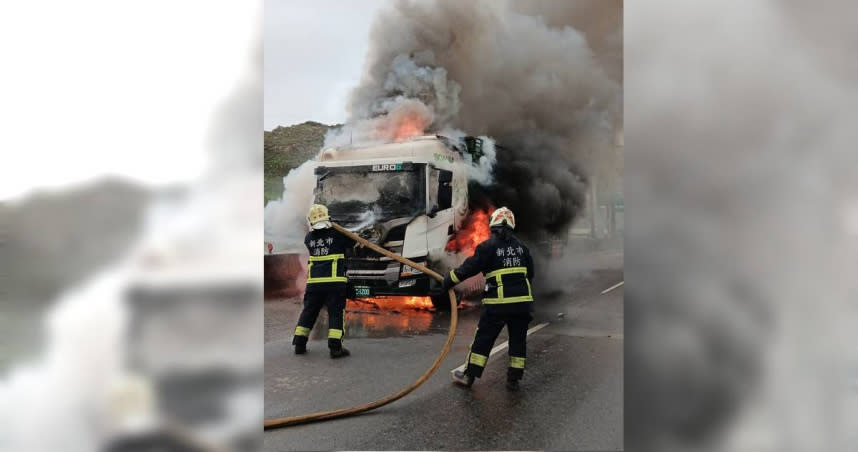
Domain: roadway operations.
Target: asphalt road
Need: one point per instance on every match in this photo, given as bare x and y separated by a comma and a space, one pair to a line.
571, 397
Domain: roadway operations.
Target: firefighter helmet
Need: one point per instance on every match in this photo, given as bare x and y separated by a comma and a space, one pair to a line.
318, 217
501, 216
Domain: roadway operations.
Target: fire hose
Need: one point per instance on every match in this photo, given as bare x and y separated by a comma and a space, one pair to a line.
326, 415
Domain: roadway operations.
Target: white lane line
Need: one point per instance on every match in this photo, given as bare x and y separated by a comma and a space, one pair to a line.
612, 287
504, 345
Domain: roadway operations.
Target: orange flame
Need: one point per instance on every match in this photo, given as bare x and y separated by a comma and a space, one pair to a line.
474, 231
397, 303
416, 322
410, 126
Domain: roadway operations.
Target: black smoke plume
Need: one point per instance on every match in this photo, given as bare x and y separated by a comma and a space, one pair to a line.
541, 78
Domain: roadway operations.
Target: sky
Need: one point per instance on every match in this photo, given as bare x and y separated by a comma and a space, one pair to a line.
314, 54
101, 88
95, 88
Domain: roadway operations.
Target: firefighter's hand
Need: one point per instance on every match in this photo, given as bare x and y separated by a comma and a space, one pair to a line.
447, 284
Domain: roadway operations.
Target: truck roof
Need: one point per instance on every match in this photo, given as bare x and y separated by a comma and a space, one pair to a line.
423, 149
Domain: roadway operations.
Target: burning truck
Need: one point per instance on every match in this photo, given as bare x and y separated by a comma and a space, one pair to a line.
410, 197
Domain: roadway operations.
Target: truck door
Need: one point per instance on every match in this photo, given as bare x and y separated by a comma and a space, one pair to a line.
439, 205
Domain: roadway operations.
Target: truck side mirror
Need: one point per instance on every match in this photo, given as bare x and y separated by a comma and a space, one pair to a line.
474, 146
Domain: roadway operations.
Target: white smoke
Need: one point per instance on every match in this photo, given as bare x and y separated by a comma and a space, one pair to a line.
82, 358
407, 81
740, 272
366, 219
80, 386
286, 218
81, 391
480, 171
414, 98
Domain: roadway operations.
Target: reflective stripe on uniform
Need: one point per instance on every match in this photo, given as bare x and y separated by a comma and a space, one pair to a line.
330, 279
329, 257
468, 356
506, 271
497, 274
454, 277
334, 333
334, 258
516, 362
520, 299
302, 331
479, 360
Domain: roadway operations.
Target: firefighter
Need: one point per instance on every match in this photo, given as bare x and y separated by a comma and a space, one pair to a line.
508, 299
326, 282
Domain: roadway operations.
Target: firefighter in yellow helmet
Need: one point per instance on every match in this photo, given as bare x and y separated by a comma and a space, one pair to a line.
326, 282
507, 301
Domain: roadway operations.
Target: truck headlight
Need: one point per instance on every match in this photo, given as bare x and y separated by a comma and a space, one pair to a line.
408, 271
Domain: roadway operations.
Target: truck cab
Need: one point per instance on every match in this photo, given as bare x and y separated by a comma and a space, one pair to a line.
409, 197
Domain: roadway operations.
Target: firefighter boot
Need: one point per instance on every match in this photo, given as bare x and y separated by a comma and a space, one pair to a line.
300, 343
341, 352
462, 379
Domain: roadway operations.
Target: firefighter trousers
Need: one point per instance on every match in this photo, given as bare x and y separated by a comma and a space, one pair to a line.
491, 324
334, 298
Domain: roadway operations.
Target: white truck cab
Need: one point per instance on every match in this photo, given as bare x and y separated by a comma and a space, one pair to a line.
409, 197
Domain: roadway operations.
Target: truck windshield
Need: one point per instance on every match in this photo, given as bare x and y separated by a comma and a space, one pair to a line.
352, 193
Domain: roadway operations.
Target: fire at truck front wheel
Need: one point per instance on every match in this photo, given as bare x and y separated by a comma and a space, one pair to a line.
441, 302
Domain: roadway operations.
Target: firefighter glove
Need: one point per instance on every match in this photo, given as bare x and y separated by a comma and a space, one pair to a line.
447, 284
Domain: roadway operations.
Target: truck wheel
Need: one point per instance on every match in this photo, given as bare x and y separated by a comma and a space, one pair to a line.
441, 302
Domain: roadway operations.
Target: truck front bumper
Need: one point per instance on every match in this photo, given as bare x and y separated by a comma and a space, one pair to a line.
418, 285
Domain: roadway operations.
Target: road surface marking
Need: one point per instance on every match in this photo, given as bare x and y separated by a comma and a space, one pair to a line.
612, 287
504, 345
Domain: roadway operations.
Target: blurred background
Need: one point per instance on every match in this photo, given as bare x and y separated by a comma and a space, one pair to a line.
131, 314
741, 237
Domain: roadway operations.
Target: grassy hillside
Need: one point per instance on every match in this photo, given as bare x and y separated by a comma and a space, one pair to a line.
288, 147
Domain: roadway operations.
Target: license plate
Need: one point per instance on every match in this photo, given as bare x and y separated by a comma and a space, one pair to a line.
362, 291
